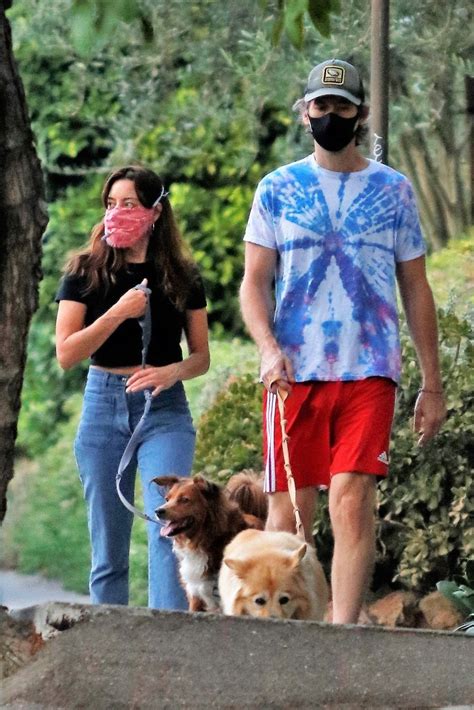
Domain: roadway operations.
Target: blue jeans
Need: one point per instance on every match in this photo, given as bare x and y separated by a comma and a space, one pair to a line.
166, 446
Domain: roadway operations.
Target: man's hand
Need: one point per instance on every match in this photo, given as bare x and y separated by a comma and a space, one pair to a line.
430, 413
276, 370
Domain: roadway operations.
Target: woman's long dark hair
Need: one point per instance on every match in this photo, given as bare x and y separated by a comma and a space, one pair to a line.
99, 263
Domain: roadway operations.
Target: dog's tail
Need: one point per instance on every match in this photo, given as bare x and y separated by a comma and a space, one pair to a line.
246, 489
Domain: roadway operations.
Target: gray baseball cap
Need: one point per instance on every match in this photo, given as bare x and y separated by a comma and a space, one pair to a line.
337, 78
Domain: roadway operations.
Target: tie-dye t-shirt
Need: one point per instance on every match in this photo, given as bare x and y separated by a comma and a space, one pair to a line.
338, 238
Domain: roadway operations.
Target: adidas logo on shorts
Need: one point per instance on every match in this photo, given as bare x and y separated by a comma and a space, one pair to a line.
383, 458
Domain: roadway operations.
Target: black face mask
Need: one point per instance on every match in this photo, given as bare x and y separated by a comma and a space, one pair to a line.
333, 132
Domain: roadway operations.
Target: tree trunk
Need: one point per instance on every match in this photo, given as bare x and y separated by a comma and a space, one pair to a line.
22, 222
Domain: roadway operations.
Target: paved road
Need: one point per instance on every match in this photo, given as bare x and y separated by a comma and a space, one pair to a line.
22, 590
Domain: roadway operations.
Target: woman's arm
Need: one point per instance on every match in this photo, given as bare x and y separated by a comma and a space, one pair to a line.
197, 362
75, 343
197, 338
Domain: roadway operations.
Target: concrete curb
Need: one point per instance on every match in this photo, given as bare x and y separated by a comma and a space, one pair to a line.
118, 657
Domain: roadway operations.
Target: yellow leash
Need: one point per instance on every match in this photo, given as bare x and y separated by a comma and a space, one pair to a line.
281, 397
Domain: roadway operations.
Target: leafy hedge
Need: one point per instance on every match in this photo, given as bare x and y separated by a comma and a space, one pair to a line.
431, 490
426, 504
229, 433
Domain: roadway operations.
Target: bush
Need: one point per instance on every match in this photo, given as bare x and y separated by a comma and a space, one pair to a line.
430, 491
461, 593
228, 358
54, 542
426, 504
229, 434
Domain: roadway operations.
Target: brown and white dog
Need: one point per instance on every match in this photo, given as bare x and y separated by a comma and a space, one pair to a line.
202, 518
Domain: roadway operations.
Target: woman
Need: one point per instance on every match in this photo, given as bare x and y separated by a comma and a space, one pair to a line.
137, 242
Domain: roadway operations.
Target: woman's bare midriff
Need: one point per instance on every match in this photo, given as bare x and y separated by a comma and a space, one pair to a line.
120, 370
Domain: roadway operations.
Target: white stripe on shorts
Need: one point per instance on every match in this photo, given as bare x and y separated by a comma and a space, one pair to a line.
270, 476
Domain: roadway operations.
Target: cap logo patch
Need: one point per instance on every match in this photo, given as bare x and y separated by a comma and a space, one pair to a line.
333, 75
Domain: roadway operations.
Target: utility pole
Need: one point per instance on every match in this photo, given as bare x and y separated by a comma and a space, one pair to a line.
379, 73
470, 131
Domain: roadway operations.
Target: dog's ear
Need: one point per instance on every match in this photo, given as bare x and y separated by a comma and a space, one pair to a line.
239, 567
207, 488
166, 481
298, 555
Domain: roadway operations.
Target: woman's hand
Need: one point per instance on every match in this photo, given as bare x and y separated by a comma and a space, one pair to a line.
132, 304
155, 378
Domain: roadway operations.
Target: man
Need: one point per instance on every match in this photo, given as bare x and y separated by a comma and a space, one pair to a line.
335, 232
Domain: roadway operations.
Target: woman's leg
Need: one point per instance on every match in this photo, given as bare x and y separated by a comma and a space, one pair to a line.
98, 448
167, 449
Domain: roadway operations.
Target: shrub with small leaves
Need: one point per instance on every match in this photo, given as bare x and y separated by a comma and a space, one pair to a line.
460, 592
430, 491
229, 433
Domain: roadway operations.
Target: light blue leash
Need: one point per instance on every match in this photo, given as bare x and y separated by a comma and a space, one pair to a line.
145, 324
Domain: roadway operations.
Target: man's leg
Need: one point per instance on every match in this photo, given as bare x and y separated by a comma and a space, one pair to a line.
352, 512
281, 515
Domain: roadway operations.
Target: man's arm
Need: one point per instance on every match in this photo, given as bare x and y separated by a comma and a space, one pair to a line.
256, 301
418, 303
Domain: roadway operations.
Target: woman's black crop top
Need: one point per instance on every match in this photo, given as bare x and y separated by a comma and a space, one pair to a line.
123, 348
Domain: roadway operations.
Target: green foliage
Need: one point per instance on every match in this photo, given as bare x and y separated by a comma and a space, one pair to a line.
425, 505
50, 535
72, 104
229, 433
452, 274
214, 225
46, 387
461, 594
229, 358
95, 22
289, 16
430, 490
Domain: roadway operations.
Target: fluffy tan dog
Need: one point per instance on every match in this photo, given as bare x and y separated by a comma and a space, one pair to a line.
272, 574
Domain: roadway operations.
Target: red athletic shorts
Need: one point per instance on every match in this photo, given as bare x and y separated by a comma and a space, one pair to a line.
333, 427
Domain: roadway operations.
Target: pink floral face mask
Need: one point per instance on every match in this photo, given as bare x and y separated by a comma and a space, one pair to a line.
124, 226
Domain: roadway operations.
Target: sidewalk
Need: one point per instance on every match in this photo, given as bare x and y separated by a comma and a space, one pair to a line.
20, 590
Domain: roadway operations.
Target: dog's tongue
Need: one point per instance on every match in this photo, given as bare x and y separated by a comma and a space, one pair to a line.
167, 529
